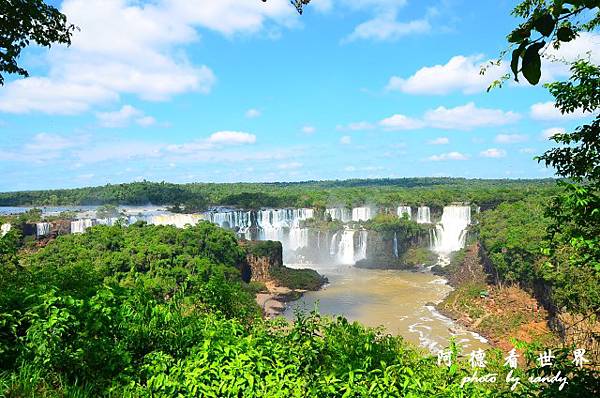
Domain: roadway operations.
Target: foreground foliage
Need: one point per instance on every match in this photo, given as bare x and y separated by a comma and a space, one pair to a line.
157, 311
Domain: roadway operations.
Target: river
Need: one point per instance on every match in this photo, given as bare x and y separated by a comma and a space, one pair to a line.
400, 301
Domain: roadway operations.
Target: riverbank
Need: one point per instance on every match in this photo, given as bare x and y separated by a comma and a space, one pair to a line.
287, 285
499, 313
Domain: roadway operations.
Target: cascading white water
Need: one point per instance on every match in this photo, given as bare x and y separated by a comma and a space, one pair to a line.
395, 245
298, 238
450, 234
4, 229
402, 210
345, 250
79, 226
283, 225
362, 214
42, 229
423, 215
361, 253
341, 213
333, 245
177, 220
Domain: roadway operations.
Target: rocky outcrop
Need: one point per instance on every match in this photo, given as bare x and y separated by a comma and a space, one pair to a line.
262, 257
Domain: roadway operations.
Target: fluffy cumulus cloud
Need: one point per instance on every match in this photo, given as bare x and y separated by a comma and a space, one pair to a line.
511, 138
401, 122
493, 153
123, 117
547, 111
468, 117
461, 74
387, 27
448, 156
346, 140
231, 138
129, 47
465, 117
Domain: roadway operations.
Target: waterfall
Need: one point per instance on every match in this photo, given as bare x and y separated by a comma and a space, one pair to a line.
361, 253
345, 250
395, 244
177, 220
42, 229
343, 214
404, 210
283, 225
423, 215
298, 238
319, 239
333, 244
79, 226
361, 214
450, 234
107, 221
4, 229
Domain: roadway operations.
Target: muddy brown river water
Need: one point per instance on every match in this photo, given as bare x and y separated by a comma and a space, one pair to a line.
398, 300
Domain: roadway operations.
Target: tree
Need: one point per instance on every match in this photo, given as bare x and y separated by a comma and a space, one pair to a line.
23, 22
574, 231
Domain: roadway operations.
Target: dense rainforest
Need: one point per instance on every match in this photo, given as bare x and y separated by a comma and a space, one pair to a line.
160, 311
435, 192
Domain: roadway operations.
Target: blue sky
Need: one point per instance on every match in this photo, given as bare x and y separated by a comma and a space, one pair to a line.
241, 90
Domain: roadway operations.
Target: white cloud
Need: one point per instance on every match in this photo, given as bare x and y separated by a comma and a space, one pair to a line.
448, 156
252, 113
439, 141
346, 140
401, 122
290, 166
459, 74
556, 62
549, 112
468, 117
493, 153
42, 147
41, 94
130, 47
309, 130
231, 138
548, 133
124, 117
511, 138
385, 26
527, 150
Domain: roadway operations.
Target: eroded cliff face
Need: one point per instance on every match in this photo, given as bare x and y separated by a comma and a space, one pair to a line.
262, 259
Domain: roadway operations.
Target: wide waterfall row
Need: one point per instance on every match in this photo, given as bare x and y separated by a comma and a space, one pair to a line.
423, 214
341, 213
177, 220
451, 232
347, 248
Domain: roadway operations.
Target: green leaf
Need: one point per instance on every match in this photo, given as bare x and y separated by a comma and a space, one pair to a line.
514, 64
565, 34
518, 35
532, 63
545, 24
